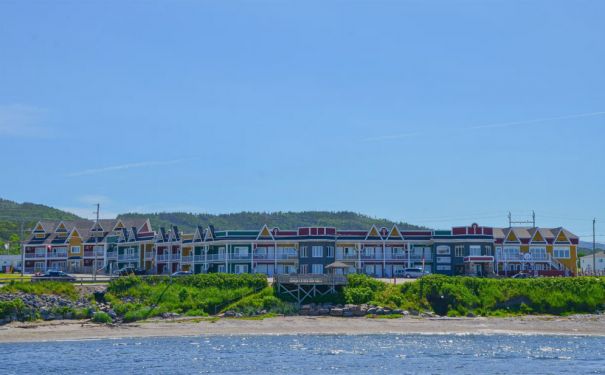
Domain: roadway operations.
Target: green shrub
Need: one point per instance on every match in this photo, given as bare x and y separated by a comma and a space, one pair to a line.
101, 317
358, 295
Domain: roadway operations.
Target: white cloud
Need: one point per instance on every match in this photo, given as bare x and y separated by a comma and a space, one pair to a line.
21, 121
93, 199
120, 167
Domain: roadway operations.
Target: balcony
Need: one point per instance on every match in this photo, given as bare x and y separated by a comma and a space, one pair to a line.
148, 255
523, 257
112, 254
128, 257
163, 257
35, 255
215, 257
93, 254
175, 257
57, 255
240, 256
187, 258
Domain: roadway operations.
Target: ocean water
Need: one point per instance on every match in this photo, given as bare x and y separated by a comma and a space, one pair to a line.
311, 354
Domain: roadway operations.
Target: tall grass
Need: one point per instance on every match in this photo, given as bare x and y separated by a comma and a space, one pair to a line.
137, 298
458, 296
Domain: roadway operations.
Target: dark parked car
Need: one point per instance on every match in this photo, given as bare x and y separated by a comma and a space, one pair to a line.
53, 276
130, 271
182, 273
411, 273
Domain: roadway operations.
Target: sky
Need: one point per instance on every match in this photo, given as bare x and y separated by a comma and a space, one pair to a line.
436, 113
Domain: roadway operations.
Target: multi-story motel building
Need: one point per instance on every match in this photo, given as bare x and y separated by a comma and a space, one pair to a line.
78, 246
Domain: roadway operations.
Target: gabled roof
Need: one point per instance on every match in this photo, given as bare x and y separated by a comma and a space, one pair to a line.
265, 234
395, 233
373, 234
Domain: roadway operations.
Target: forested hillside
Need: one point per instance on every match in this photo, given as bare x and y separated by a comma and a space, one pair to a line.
12, 213
255, 220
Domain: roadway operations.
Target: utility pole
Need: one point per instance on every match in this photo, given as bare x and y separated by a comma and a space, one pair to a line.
22, 249
594, 250
94, 250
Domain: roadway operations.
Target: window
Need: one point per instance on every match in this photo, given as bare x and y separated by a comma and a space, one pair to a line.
240, 251
488, 250
444, 268
304, 269
317, 269
443, 250
561, 252
241, 268
538, 253
318, 252
330, 251
303, 252
75, 249
475, 250
459, 250
511, 253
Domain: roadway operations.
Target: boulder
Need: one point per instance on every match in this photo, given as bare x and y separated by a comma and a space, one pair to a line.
336, 311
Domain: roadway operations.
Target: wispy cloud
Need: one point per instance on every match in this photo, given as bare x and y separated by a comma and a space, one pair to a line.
92, 199
485, 126
113, 168
19, 120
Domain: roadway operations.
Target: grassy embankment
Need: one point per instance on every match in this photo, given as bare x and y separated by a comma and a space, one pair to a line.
134, 298
199, 295
461, 296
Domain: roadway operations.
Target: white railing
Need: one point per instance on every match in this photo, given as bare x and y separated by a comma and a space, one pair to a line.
148, 255
57, 255
128, 257
198, 258
175, 257
214, 257
163, 257
35, 255
112, 254
187, 258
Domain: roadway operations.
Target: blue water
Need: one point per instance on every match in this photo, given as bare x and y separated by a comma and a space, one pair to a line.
312, 354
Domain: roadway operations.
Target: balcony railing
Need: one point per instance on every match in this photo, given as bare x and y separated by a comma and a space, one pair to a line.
128, 257
187, 258
524, 257
112, 254
215, 257
163, 257
57, 255
175, 257
95, 254
34, 255
148, 255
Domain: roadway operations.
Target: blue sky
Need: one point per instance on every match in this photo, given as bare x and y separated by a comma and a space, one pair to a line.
434, 112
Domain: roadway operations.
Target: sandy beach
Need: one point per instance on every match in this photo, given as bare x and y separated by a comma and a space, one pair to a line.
593, 325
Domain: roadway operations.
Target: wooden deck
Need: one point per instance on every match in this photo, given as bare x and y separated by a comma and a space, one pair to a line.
311, 279
308, 286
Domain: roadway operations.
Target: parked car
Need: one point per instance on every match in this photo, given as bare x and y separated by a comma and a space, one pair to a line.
522, 275
411, 273
182, 273
53, 275
130, 271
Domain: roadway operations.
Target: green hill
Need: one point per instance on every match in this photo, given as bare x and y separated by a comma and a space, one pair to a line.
255, 220
12, 213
